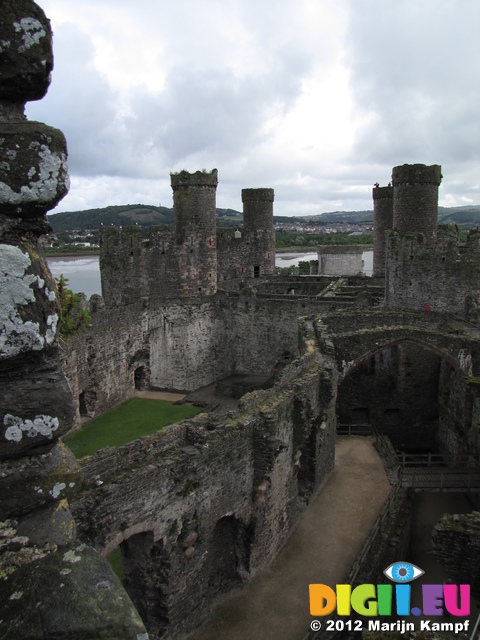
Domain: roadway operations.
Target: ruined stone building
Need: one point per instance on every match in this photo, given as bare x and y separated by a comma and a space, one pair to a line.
203, 505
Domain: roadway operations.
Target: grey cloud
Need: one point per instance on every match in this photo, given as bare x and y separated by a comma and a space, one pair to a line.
207, 111
413, 70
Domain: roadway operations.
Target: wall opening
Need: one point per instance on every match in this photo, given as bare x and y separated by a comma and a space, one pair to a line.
145, 572
86, 403
256, 271
140, 378
82, 405
396, 391
304, 448
229, 554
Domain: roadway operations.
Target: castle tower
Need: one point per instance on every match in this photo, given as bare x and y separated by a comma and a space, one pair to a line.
258, 228
194, 206
415, 199
383, 222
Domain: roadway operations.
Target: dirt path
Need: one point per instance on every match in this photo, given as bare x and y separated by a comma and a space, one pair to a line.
160, 395
323, 547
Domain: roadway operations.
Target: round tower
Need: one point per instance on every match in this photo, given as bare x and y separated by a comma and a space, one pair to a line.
194, 203
258, 223
415, 199
194, 207
382, 223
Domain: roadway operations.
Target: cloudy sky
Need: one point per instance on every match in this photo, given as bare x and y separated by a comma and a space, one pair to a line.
318, 99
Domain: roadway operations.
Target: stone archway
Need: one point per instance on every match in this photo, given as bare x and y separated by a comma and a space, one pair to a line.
351, 338
145, 575
140, 378
404, 390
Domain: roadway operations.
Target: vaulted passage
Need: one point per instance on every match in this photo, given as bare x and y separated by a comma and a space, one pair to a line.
409, 394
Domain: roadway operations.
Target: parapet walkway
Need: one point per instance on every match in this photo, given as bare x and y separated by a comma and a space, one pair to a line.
323, 547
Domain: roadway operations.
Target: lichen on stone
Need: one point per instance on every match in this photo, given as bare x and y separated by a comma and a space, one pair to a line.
70, 556
17, 427
51, 172
33, 31
16, 292
57, 489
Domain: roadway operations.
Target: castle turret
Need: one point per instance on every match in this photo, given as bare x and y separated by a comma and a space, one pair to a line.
194, 207
383, 222
258, 225
415, 199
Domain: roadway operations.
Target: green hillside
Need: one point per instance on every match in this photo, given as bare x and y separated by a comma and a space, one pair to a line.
148, 215
466, 217
119, 216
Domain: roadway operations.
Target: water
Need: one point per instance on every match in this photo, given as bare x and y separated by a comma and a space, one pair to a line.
292, 259
83, 273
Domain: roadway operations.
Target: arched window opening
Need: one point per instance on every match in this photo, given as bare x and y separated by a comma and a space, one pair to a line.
140, 378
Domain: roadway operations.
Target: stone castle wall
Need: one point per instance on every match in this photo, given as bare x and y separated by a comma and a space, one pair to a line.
218, 497
184, 345
340, 261
382, 224
443, 276
186, 262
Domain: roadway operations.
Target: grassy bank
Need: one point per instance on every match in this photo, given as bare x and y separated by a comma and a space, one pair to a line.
131, 420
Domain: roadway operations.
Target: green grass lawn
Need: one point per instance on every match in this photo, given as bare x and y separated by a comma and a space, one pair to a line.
115, 560
135, 418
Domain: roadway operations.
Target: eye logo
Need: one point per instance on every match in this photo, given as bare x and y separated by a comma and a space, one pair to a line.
403, 572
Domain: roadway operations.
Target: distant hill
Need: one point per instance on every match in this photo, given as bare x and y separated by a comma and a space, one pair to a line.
466, 217
124, 215
119, 216
329, 218
147, 215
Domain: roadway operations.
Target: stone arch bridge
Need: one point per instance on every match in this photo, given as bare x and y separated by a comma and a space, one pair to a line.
353, 338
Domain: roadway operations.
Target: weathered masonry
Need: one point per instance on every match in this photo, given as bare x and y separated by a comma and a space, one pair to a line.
52, 584
356, 357
206, 504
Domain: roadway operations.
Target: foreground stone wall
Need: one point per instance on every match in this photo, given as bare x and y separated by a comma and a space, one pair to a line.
41, 593
205, 504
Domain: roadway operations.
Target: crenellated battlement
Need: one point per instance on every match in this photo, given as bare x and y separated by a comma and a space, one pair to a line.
416, 174
184, 179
